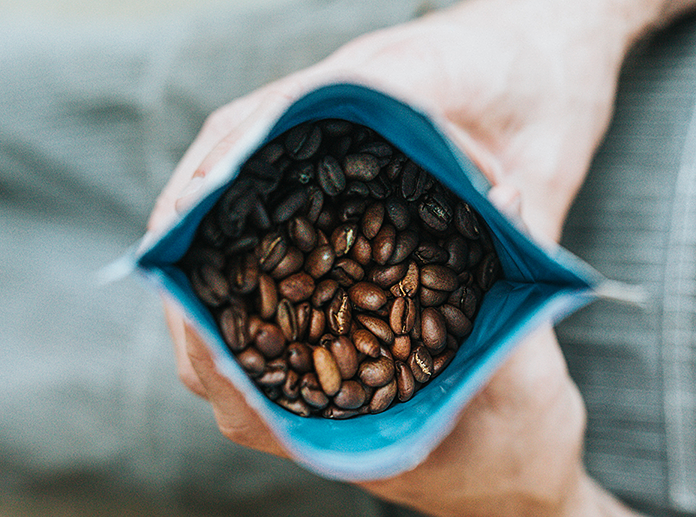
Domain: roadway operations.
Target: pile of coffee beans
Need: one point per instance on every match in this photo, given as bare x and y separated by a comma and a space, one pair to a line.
342, 275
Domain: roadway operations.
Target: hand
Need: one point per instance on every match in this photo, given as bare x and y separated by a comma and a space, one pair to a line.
526, 88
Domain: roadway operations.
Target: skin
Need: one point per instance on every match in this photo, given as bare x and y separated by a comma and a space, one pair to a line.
526, 88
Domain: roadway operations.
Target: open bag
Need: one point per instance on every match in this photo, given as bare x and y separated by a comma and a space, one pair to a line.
537, 285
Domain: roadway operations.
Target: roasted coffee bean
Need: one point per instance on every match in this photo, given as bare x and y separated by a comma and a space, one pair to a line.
286, 318
241, 245
291, 386
376, 372
339, 313
367, 296
378, 327
271, 250
397, 212
303, 234
312, 392
317, 325
243, 274
345, 354
351, 395
343, 238
442, 360
357, 189
421, 364
301, 172
436, 212
405, 382
395, 166
297, 287
430, 253
274, 374
405, 244
336, 127
253, 324
336, 413
475, 254
290, 205
302, 141
300, 357
270, 340
387, 276
327, 370
291, 263
379, 187
362, 166
440, 278
204, 291
431, 297
297, 406
401, 348
320, 261
326, 219
361, 251
366, 342
383, 397
383, 244
303, 311
324, 292
267, 297
315, 203
380, 150
410, 283
487, 272
457, 322
352, 209
372, 220
413, 181
331, 178
465, 221
433, 329
252, 361
402, 315
270, 153
458, 250
347, 272
233, 326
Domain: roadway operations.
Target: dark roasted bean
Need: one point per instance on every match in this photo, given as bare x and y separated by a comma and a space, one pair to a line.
413, 181
252, 361
397, 212
345, 354
333, 412
317, 325
378, 327
383, 244
315, 203
331, 178
431, 253
436, 212
297, 406
405, 383
431, 297
376, 372
458, 250
274, 374
267, 297
440, 278
347, 271
339, 313
383, 397
297, 287
421, 364
300, 357
270, 340
405, 244
367, 296
387, 276
327, 370
320, 261
233, 326
395, 166
271, 250
343, 238
465, 221
311, 391
291, 263
352, 209
441, 361
372, 220
324, 292
410, 283
290, 205
401, 348
366, 342
402, 315
457, 322
488, 271
302, 141
243, 273
362, 166
433, 329
361, 251
291, 386
351, 395
302, 233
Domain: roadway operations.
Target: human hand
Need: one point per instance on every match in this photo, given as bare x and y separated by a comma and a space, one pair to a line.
529, 104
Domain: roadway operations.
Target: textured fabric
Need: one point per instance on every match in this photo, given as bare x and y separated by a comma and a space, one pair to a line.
634, 221
92, 121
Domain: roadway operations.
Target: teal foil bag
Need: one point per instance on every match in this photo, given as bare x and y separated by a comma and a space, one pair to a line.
539, 284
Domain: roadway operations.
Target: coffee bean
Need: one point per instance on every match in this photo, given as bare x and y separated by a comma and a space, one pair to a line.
378, 327
350, 396
433, 329
405, 382
320, 261
430, 253
252, 361
233, 326
383, 244
271, 250
397, 212
435, 211
387, 276
456, 321
303, 234
441, 361
303, 141
343, 238
291, 386
297, 406
440, 278
339, 313
410, 283
421, 364
331, 178
413, 181
286, 318
270, 340
315, 203
300, 357
402, 315
383, 397
465, 221
363, 166
346, 356
395, 166
243, 273
487, 272
297, 287
376, 372
352, 209
204, 291
291, 263
336, 413
405, 244
324, 292
372, 220
366, 342
347, 272
290, 205
317, 325
367, 296
268, 297
431, 297
327, 371
401, 348
274, 374
312, 392
361, 251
